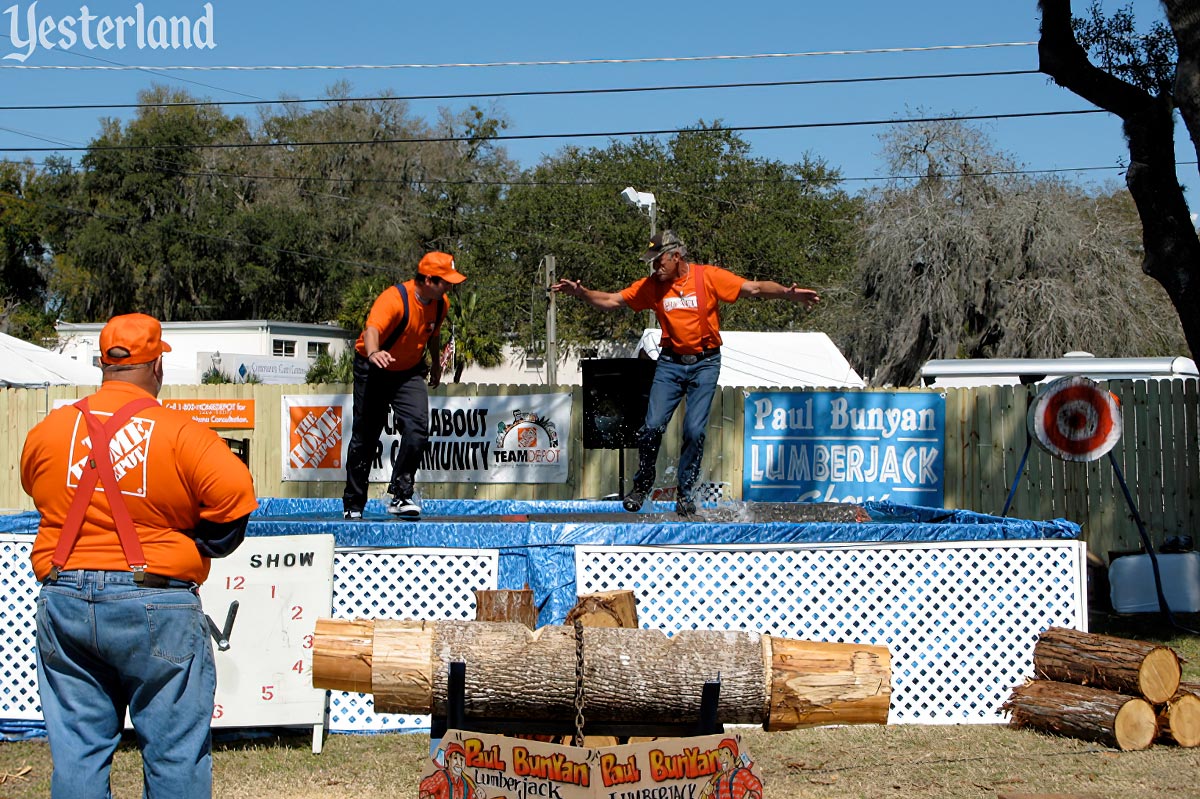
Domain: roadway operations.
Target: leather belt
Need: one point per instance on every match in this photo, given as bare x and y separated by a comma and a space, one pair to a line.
688, 360
147, 580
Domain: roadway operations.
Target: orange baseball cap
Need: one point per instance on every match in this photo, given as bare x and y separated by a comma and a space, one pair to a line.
138, 334
440, 264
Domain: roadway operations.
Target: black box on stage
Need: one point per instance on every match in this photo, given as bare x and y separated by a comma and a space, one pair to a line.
615, 394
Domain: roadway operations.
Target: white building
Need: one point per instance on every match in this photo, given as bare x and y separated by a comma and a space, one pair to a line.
275, 352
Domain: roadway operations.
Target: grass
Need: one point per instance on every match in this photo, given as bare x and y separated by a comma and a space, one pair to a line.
954, 762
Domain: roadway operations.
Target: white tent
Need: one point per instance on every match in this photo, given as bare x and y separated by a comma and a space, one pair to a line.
25, 365
784, 360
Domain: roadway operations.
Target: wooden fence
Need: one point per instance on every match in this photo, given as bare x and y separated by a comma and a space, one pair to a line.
985, 439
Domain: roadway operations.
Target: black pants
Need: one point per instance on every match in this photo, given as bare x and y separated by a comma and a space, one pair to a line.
376, 392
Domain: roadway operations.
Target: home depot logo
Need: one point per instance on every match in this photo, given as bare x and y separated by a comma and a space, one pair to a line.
536, 439
128, 450
315, 437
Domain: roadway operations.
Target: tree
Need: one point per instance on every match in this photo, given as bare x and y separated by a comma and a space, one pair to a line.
763, 219
976, 260
1145, 100
327, 369
475, 341
23, 256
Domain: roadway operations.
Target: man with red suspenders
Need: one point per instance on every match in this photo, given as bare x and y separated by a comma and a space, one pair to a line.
134, 500
390, 375
685, 299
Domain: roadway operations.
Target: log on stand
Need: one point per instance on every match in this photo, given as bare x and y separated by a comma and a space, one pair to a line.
634, 678
1092, 714
1103, 661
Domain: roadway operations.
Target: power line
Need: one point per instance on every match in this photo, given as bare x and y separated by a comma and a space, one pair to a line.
534, 136
529, 93
489, 64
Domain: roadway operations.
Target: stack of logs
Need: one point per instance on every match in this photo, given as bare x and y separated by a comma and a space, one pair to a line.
1115, 691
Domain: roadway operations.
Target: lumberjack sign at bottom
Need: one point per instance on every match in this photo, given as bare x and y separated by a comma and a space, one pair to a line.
480, 766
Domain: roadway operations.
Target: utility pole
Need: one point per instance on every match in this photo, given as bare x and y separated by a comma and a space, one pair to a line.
551, 269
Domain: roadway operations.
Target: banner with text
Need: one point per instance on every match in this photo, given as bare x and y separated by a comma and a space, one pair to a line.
851, 446
219, 414
316, 434
510, 439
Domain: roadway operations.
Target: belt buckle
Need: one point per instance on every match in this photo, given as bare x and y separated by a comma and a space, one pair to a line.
689, 359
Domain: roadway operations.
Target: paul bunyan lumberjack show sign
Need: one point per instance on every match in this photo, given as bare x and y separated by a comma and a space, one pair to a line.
845, 446
510, 439
468, 764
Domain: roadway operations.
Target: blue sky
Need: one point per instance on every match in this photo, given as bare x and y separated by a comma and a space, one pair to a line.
326, 33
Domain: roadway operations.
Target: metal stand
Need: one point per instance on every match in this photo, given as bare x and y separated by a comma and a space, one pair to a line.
706, 724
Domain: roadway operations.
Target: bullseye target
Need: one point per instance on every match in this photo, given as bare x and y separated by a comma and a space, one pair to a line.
1075, 419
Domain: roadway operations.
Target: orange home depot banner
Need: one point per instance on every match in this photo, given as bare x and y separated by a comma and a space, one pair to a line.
219, 414
468, 764
316, 434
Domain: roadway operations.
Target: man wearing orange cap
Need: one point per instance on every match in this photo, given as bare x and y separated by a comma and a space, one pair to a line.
451, 780
390, 373
735, 780
135, 499
685, 298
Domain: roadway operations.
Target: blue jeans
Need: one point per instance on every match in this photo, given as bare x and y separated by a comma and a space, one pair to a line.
673, 382
104, 645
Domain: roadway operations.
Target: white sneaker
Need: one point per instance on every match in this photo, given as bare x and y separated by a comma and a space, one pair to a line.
404, 508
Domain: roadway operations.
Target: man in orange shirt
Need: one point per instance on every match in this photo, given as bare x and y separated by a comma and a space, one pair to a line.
390, 374
685, 299
135, 499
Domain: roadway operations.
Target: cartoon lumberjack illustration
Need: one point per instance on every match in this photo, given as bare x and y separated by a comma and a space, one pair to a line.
451, 781
734, 780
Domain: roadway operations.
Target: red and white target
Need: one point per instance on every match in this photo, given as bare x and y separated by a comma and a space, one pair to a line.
1075, 419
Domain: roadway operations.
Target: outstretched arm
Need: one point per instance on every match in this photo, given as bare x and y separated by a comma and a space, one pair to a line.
776, 291
603, 300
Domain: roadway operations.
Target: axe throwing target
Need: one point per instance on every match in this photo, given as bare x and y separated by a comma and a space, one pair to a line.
1075, 419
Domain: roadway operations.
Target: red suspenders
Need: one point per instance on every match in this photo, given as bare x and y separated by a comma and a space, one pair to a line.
99, 468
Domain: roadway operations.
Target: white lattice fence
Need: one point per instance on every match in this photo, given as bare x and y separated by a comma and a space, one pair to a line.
18, 658
430, 584
960, 619
368, 583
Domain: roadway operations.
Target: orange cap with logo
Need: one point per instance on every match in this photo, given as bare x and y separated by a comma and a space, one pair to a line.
137, 334
440, 264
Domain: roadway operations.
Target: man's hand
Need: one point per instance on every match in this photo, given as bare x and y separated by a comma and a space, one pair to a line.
381, 358
572, 287
806, 297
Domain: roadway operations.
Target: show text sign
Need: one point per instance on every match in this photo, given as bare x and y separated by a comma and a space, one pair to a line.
844, 446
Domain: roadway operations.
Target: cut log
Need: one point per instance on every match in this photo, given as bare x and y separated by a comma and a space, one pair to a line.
1179, 720
506, 605
605, 609
342, 652
630, 675
1077, 711
814, 684
1190, 687
1131, 667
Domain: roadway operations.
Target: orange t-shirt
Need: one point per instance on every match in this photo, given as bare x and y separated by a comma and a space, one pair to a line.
423, 324
674, 306
172, 472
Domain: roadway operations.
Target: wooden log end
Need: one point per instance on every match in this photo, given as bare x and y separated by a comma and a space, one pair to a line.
1136, 725
1179, 720
1158, 678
